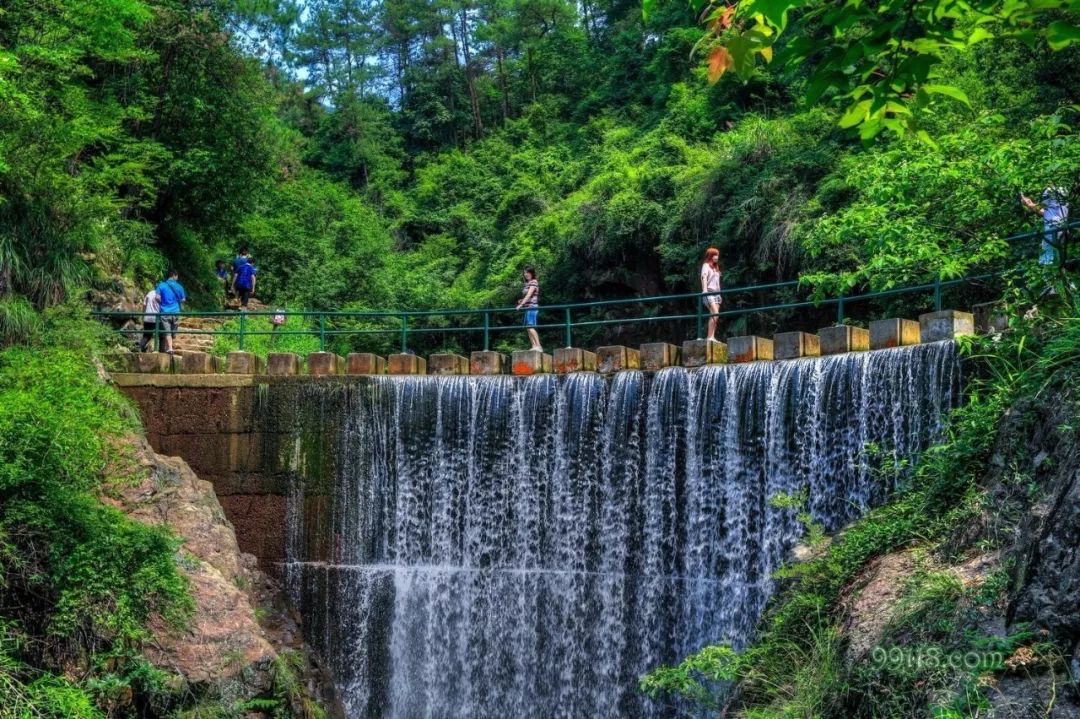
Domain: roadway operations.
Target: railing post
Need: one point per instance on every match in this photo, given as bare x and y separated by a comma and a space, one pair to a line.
157, 332
404, 333
322, 332
937, 292
243, 326
566, 327
840, 309
487, 331
700, 324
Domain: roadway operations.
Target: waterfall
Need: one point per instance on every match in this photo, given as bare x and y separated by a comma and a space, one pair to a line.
529, 546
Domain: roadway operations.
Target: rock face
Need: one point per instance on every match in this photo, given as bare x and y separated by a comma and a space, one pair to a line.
1047, 562
223, 639
227, 647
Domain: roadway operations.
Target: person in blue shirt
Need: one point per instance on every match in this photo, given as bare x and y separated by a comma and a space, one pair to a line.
1055, 214
245, 281
172, 296
222, 273
241, 259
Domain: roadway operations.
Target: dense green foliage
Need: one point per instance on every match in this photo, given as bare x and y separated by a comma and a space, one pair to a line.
78, 580
417, 155
797, 667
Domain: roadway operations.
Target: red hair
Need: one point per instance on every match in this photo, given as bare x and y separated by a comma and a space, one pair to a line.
713, 251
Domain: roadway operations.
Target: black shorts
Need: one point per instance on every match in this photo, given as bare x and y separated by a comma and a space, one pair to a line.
245, 295
148, 335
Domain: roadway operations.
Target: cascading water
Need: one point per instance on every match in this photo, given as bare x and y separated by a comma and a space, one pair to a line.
528, 547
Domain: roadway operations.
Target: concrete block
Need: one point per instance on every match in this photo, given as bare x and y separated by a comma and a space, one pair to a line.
574, 359
945, 325
488, 362
790, 345
279, 364
365, 363
749, 348
406, 364
657, 355
219, 363
447, 363
151, 362
843, 338
322, 364
698, 353
196, 363
526, 362
244, 363
895, 332
616, 358
990, 317
120, 362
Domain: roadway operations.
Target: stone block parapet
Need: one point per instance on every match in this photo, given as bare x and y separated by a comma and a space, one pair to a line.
574, 359
488, 362
792, 345
324, 364
749, 348
365, 363
281, 364
843, 338
447, 363
527, 362
657, 355
894, 332
407, 364
698, 353
616, 358
196, 363
990, 317
946, 325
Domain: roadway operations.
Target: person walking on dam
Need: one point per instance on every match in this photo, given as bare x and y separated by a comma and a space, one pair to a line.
151, 308
530, 302
245, 281
710, 289
172, 296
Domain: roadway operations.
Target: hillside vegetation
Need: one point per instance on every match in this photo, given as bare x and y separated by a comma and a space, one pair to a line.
418, 154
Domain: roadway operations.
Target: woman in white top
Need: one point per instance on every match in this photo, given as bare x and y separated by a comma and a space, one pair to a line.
710, 288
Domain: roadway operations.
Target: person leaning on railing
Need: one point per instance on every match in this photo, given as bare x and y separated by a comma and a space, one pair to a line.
710, 289
1055, 214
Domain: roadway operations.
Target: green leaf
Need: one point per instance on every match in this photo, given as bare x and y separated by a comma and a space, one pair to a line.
978, 35
1061, 34
855, 114
947, 90
647, 7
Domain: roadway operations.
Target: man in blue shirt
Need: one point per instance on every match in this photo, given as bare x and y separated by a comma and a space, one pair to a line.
172, 296
1055, 214
245, 281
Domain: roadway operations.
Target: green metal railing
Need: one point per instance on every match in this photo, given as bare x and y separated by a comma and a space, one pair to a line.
404, 320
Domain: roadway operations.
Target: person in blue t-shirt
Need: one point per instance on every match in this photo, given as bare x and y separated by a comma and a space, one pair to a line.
241, 259
172, 296
245, 281
222, 274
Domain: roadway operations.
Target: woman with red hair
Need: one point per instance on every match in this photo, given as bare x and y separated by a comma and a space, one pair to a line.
710, 288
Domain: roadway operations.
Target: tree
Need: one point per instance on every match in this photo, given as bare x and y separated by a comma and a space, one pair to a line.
882, 60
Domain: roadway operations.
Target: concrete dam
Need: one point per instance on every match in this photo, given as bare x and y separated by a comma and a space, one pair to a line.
528, 546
